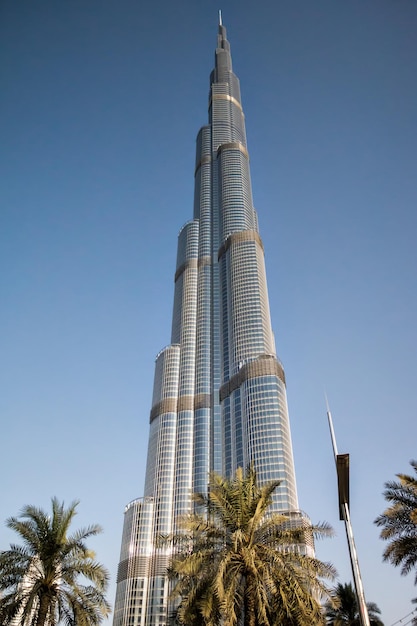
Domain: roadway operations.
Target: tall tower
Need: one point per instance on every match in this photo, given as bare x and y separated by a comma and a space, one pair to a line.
219, 398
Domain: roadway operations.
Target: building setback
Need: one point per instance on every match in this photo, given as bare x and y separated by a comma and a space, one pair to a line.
219, 398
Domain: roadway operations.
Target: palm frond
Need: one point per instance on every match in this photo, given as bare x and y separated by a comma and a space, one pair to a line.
245, 563
399, 522
39, 580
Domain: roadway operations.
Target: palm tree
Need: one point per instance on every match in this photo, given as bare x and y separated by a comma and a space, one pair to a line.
235, 563
43, 581
345, 610
414, 622
399, 522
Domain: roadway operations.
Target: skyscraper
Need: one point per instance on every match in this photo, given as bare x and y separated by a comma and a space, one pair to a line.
219, 398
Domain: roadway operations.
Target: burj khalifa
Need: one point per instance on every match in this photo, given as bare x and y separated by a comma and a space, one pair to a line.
219, 396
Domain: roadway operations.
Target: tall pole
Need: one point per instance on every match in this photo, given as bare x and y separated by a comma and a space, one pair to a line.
342, 466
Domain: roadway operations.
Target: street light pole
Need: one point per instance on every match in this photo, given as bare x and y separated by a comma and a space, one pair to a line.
342, 469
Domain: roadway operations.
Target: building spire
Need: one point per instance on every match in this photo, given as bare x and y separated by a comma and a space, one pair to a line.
223, 61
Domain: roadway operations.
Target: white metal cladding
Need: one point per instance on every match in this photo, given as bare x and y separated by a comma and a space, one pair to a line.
135, 565
219, 399
235, 195
166, 374
246, 299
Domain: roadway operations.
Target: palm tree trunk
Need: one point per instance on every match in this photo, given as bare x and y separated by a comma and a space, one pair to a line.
43, 610
249, 618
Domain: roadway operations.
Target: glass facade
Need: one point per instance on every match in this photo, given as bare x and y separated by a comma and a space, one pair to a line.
219, 399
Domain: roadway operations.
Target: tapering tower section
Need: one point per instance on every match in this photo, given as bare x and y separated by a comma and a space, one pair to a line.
219, 399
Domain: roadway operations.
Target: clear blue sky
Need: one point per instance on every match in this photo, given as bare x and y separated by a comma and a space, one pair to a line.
101, 103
